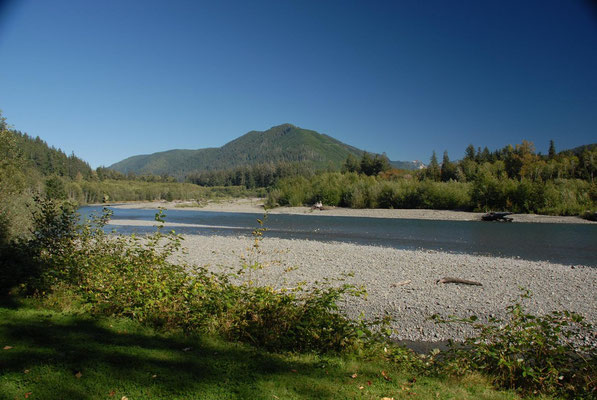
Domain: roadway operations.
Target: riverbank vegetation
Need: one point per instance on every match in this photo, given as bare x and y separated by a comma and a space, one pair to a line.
512, 179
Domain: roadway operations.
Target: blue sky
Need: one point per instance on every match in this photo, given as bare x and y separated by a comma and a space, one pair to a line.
115, 78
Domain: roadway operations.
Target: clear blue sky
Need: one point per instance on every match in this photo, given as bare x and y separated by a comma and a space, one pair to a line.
113, 78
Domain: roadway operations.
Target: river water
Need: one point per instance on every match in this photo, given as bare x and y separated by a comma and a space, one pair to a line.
571, 244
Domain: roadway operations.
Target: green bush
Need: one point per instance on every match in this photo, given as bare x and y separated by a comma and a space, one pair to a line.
489, 190
327, 188
568, 197
135, 277
534, 354
443, 195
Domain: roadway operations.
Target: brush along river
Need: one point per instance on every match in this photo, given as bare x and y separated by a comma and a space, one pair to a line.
555, 261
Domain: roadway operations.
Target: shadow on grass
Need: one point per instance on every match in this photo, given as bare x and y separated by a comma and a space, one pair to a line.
120, 358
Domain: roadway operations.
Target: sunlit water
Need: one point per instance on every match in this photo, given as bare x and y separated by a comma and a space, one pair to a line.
573, 244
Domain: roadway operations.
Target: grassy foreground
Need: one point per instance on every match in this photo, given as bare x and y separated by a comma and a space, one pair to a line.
47, 354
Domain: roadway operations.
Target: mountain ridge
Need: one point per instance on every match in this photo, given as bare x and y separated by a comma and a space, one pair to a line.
281, 143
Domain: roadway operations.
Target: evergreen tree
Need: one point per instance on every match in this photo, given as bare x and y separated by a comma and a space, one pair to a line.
552, 150
469, 153
448, 169
486, 155
433, 171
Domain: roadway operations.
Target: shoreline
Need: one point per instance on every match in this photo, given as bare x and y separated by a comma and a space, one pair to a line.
255, 205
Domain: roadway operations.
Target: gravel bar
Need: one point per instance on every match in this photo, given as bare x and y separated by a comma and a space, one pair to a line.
383, 271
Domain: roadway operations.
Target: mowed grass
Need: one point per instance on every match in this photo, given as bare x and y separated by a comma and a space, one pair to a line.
46, 354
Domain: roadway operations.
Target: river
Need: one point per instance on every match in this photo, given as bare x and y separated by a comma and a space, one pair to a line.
571, 244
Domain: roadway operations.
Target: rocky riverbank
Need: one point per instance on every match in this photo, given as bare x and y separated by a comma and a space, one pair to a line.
403, 283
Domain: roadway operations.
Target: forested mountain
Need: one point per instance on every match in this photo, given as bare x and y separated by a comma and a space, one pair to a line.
281, 144
46, 159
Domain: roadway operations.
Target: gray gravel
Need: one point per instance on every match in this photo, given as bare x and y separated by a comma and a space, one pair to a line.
554, 286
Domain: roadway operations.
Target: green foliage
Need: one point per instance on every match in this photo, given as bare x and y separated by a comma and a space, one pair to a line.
86, 192
534, 354
369, 165
448, 169
55, 188
361, 191
136, 277
351, 164
552, 150
433, 172
512, 179
251, 176
49, 161
489, 190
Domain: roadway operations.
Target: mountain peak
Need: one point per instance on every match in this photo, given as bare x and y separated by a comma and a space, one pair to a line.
280, 143
285, 143
283, 126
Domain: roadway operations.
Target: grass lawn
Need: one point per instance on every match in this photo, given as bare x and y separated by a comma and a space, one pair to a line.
46, 354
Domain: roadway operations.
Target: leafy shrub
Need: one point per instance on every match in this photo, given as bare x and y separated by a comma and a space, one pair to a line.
535, 354
135, 277
443, 195
568, 197
327, 188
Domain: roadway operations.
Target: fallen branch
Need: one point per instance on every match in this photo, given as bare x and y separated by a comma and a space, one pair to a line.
457, 280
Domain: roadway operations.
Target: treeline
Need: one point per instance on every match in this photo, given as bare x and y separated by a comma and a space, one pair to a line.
88, 192
559, 197
266, 175
519, 162
47, 160
103, 173
252, 176
368, 164
511, 179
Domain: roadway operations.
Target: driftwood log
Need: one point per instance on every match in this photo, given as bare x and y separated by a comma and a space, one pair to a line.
458, 280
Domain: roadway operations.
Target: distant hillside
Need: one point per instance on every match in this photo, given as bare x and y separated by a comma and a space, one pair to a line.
283, 143
577, 151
